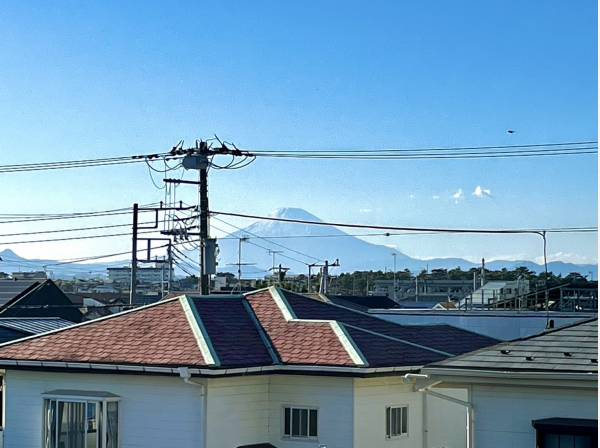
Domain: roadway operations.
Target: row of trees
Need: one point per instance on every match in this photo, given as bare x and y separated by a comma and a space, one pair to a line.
360, 282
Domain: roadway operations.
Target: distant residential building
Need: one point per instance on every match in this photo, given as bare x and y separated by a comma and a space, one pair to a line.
30, 275
145, 276
434, 289
494, 292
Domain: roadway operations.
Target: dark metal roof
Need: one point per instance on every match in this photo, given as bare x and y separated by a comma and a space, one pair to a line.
34, 325
570, 349
44, 299
445, 338
232, 331
363, 303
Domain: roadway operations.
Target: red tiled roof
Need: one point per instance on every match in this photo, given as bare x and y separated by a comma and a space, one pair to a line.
158, 335
260, 329
298, 342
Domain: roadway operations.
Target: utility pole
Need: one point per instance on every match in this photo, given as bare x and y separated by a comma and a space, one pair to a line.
239, 264
417, 287
169, 274
310, 266
242, 239
133, 283
273, 253
281, 271
202, 149
474, 287
199, 158
482, 281
394, 254
324, 287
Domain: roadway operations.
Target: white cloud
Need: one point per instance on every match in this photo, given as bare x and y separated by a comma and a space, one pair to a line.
365, 210
411, 196
482, 192
567, 257
435, 197
459, 195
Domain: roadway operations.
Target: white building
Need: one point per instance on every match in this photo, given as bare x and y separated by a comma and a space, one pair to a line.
540, 391
268, 367
495, 291
145, 276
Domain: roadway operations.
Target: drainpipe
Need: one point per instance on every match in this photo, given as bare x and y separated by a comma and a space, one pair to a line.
186, 376
468, 404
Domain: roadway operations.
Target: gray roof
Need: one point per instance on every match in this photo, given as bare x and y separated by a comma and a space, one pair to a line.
570, 349
34, 325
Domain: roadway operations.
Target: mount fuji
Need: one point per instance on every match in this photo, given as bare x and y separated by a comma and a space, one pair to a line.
315, 243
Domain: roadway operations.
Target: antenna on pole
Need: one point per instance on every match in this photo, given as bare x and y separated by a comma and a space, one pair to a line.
281, 271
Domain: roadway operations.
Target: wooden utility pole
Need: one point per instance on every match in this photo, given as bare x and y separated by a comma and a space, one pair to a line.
133, 283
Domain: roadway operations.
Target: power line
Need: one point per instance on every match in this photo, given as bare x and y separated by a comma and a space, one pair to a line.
268, 240
94, 257
75, 215
266, 248
462, 152
79, 229
457, 152
497, 155
410, 229
72, 238
85, 163
440, 148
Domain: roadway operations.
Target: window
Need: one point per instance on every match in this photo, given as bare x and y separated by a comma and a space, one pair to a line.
79, 421
300, 422
560, 432
396, 421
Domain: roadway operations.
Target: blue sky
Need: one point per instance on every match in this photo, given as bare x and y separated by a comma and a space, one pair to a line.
116, 78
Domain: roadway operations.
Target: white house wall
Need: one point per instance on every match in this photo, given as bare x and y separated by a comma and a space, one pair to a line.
237, 411
158, 411
332, 396
503, 414
447, 421
154, 411
372, 396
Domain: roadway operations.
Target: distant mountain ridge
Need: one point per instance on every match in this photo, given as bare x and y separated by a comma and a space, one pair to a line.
314, 243
11, 262
328, 242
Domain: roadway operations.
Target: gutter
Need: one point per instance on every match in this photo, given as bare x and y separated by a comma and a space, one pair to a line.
123, 368
588, 376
